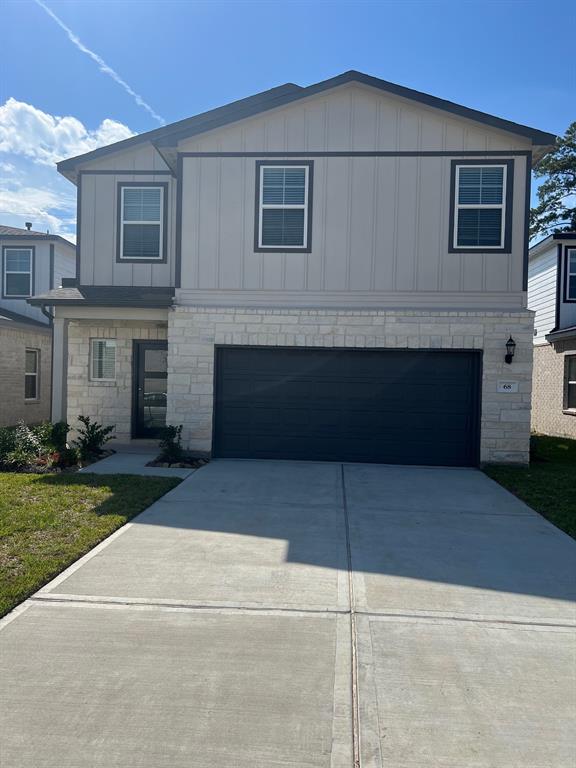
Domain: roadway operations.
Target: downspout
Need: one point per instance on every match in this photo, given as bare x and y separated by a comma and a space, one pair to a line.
50, 316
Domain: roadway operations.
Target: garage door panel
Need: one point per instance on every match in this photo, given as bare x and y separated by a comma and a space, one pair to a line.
389, 406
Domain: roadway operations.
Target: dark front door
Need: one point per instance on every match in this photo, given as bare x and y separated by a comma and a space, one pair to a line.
150, 379
388, 406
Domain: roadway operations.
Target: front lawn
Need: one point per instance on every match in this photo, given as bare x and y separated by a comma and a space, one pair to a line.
48, 521
548, 485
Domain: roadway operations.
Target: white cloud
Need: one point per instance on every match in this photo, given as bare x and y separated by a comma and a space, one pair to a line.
7, 168
105, 68
44, 138
45, 208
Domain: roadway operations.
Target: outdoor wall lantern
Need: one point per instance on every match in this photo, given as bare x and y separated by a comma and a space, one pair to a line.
510, 349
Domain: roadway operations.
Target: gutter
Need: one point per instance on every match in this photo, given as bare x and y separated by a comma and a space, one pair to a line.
563, 333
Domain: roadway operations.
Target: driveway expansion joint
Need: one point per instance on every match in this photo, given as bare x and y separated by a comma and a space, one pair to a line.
143, 603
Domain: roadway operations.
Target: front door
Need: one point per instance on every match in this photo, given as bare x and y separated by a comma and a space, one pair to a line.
150, 379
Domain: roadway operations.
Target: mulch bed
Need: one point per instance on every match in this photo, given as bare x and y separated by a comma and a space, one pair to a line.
190, 462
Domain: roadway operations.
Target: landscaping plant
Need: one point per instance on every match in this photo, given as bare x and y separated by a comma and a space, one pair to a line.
171, 451
26, 449
91, 438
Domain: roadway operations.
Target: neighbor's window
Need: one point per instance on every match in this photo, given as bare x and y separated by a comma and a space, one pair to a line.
570, 367
283, 215
141, 222
571, 274
18, 272
480, 206
31, 372
103, 363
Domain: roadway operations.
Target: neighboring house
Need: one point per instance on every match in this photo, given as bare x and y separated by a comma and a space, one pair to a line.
552, 296
31, 262
329, 272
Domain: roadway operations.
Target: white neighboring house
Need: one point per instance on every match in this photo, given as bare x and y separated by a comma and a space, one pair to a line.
552, 296
326, 272
31, 262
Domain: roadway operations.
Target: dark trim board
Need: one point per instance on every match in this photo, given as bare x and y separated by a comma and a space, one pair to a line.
32, 267
126, 173
78, 226
508, 212
283, 249
558, 286
472, 458
119, 186
51, 266
369, 153
565, 298
178, 233
527, 193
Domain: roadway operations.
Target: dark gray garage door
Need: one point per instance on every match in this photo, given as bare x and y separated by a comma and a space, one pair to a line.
389, 406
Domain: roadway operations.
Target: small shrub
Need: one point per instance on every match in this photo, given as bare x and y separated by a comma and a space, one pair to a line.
59, 435
171, 450
52, 437
92, 437
7, 443
26, 440
19, 458
67, 457
26, 446
43, 432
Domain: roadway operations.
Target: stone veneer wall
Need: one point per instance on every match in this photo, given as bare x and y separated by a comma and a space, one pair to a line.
194, 331
109, 402
548, 415
13, 345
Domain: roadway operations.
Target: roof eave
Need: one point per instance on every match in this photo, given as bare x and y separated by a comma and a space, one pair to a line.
253, 105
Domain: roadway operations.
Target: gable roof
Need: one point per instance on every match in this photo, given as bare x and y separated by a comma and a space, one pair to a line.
105, 296
542, 245
169, 135
15, 233
10, 319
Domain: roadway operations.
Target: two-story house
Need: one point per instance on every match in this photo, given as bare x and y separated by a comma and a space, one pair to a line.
328, 272
552, 296
31, 262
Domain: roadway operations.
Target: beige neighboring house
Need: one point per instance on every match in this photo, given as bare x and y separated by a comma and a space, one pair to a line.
31, 261
552, 296
328, 272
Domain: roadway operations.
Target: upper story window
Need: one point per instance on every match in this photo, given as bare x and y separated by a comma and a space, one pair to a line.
103, 360
18, 272
283, 206
142, 222
570, 292
481, 206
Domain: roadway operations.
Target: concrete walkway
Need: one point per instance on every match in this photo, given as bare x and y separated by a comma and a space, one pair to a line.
276, 614
128, 463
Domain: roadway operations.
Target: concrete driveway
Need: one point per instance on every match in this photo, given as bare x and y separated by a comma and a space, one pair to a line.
275, 614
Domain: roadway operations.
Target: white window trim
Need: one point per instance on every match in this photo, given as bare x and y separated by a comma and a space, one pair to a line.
36, 375
160, 256
462, 206
569, 274
91, 361
569, 382
299, 206
18, 272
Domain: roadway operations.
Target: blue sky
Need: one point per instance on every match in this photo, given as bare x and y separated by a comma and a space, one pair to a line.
172, 59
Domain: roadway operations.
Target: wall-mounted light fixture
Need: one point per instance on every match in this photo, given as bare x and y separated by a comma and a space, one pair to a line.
510, 349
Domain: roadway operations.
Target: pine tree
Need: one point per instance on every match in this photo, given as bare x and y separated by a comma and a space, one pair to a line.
556, 209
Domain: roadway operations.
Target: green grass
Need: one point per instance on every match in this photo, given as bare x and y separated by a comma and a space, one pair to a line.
548, 485
49, 521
